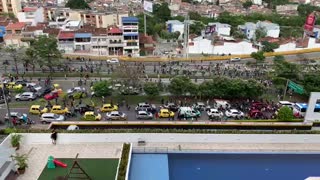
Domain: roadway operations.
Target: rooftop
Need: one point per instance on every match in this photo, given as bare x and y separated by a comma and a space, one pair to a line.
17, 25
66, 35
29, 9
114, 30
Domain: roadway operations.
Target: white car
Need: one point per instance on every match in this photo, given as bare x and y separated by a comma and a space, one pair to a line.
144, 115
73, 128
212, 113
26, 96
113, 61
76, 89
234, 113
116, 115
50, 117
236, 59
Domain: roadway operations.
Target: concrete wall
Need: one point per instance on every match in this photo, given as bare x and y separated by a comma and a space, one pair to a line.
44, 138
310, 114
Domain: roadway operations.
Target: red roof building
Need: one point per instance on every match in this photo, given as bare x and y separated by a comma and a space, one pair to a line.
66, 35
29, 9
15, 26
114, 30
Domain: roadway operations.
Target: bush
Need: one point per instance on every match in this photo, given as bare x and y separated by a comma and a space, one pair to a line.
285, 114
124, 162
79, 95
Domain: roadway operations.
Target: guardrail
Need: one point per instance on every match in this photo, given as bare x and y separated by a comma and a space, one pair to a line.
203, 58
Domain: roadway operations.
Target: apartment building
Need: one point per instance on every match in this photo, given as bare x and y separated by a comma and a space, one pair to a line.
130, 26
10, 6
14, 35
31, 15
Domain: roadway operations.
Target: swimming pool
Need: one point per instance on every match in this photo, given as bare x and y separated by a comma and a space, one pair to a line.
224, 166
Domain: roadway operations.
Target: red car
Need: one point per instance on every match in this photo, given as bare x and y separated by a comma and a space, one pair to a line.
50, 96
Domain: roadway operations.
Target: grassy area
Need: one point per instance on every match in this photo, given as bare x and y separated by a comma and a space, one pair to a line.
95, 168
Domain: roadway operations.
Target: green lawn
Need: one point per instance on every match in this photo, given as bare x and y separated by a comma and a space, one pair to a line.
96, 168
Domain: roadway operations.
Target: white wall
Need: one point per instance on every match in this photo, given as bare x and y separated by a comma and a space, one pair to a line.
76, 138
178, 27
286, 47
201, 46
258, 2
273, 33
235, 48
38, 16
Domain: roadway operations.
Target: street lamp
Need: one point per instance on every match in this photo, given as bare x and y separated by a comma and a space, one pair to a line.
7, 105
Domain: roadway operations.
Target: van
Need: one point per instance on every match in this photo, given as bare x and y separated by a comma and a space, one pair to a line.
188, 112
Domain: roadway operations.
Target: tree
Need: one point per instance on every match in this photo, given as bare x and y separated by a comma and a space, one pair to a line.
161, 12
269, 47
151, 89
180, 86
238, 34
15, 53
285, 114
278, 58
30, 58
196, 28
102, 88
130, 75
77, 4
286, 69
247, 4
258, 56
305, 9
46, 49
194, 16
260, 33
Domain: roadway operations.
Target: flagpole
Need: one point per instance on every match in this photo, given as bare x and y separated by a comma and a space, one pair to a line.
285, 90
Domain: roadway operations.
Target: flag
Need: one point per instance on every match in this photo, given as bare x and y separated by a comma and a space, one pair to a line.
148, 6
295, 87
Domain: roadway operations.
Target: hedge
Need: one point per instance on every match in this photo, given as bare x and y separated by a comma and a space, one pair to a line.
186, 131
124, 162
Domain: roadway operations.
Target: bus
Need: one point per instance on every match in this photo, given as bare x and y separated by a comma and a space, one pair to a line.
300, 109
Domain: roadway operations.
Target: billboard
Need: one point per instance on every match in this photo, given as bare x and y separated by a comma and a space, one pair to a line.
148, 6
210, 29
310, 21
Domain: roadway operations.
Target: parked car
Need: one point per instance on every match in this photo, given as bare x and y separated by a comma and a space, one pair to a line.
108, 108
113, 61
214, 113
144, 115
199, 106
255, 114
57, 109
234, 113
91, 116
83, 108
188, 112
171, 106
26, 96
12, 86
235, 59
51, 117
76, 90
116, 115
165, 113
51, 96
37, 110
23, 82
149, 107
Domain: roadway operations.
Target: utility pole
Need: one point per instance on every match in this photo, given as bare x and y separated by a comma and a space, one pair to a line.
186, 36
145, 23
7, 105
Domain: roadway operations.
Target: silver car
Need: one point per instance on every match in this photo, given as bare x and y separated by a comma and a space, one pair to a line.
26, 96
144, 115
50, 117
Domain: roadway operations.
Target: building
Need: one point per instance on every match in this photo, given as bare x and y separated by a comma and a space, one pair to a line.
288, 9
271, 29
3, 23
66, 41
116, 42
14, 34
130, 27
175, 26
66, 24
82, 42
10, 6
31, 15
219, 29
257, 2
147, 45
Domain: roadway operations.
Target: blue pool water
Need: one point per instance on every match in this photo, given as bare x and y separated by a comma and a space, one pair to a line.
224, 166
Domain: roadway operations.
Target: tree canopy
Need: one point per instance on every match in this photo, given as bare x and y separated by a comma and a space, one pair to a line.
77, 4
151, 89
269, 47
181, 85
258, 56
102, 88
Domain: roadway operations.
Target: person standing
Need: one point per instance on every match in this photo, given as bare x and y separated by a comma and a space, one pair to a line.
54, 136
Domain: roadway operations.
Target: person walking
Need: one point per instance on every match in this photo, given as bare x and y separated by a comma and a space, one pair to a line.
54, 136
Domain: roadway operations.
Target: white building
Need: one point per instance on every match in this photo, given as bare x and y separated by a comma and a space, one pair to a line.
130, 26
31, 15
271, 29
257, 2
66, 24
221, 29
175, 26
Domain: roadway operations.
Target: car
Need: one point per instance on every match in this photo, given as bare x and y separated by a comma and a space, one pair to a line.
57, 109
234, 113
37, 110
20, 117
23, 82
116, 115
165, 113
26, 96
91, 116
13, 86
51, 117
149, 107
188, 112
56, 86
42, 91
214, 113
113, 61
130, 91
171, 106
108, 108
235, 59
144, 115
83, 108
52, 95
199, 106
76, 90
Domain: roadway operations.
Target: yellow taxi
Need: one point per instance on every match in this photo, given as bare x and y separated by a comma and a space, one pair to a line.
57, 109
37, 110
13, 85
165, 113
108, 108
91, 116
56, 86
